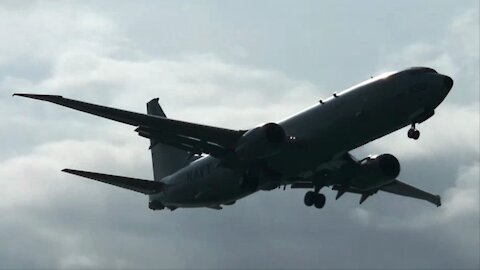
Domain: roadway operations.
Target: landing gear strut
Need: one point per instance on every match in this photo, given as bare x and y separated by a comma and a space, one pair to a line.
314, 198
413, 133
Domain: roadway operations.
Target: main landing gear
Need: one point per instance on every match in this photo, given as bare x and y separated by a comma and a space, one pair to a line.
314, 198
413, 133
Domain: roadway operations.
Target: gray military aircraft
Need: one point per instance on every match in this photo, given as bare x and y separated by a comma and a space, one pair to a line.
203, 166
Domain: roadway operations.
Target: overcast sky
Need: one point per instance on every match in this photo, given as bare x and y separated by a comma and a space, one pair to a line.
236, 65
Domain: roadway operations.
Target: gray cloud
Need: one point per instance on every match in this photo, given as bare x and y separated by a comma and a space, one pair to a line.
102, 55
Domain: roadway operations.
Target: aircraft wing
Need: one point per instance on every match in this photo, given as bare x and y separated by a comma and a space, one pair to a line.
138, 185
183, 135
340, 168
403, 189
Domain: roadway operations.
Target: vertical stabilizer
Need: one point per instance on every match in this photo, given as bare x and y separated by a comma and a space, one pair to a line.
165, 159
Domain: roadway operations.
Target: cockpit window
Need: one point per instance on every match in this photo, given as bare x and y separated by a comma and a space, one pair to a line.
420, 70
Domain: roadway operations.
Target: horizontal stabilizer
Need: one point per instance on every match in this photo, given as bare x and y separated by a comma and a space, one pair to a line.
138, 185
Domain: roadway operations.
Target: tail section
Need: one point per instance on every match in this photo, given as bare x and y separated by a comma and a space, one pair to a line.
166, 159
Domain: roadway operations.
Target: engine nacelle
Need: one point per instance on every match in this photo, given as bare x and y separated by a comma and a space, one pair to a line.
261, 142
376, 171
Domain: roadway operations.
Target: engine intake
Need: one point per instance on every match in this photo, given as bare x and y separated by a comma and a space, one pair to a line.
261, 142
389, 165
376, 171
274, 133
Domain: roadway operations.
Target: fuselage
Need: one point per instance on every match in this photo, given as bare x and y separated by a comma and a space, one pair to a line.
336, 125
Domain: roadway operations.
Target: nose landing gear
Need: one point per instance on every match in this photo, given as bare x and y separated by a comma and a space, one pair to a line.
413, 133
314, 198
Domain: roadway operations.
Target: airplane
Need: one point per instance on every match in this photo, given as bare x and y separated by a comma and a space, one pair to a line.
197, 166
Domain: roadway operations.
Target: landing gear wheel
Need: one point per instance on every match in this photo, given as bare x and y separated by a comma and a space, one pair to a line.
320, 201
309, 198
416, 134
413, 133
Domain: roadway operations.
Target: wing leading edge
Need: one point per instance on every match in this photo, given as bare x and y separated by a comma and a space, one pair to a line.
192, 137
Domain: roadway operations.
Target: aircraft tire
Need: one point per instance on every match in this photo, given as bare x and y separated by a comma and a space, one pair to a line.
309, 198
410, 133
413, 134
416, 134
320, 200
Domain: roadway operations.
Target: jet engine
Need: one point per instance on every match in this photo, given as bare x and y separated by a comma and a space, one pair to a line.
261, 142
376, 171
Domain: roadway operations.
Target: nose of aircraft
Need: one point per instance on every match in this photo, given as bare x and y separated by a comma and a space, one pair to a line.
447, 82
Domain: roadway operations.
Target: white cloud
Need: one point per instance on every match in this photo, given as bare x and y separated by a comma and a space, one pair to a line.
186, 84
37, 176
45, 30
463, 199
456, 51
463, 36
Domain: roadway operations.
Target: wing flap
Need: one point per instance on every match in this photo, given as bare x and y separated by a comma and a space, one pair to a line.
208, 139
138, 185
403, 189
190, 144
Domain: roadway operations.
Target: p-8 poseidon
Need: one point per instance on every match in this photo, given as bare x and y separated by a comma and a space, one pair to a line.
203, 166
